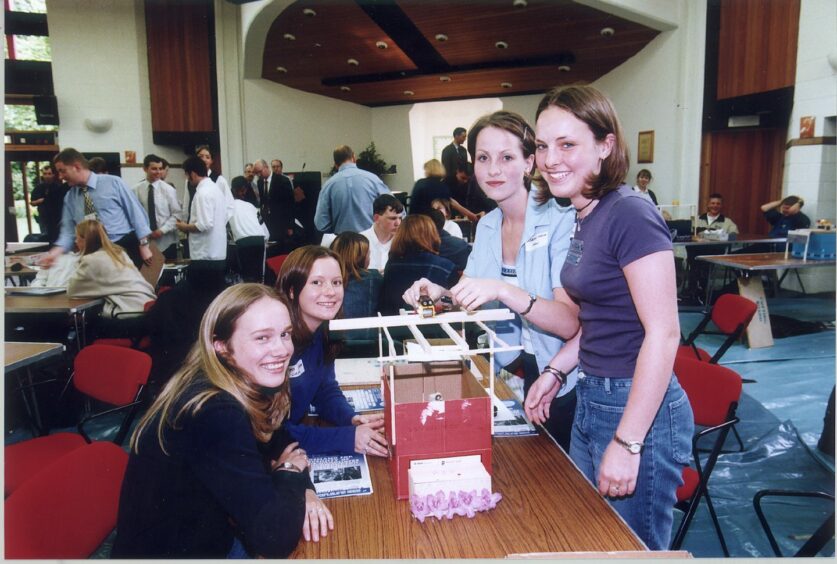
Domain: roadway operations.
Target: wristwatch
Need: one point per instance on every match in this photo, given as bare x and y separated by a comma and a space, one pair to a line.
634, 447
143, 242
288, 466
532, 299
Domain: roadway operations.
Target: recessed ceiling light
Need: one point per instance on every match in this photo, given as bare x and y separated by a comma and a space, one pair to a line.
564, 68
318, 45
290, 36
441, 37
607, 31
409, 93
345, 89
501, 45
444, 78
505, 85
283, 70
353, 62
311, 13
520, 3
381, 45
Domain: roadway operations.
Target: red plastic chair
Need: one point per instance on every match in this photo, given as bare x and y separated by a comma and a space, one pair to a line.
731, 314
713, 393
275, 263
113, 375
67, 509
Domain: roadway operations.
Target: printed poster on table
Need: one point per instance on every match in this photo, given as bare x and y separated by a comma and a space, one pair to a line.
340, 475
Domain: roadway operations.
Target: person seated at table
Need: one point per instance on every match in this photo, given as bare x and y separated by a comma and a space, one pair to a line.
643, 179
249, 233
713, 218
105, 271
312, 278
363, 284
785, 215
698, 271
387, 213
443, 205
452, 248
212, 471
414, 255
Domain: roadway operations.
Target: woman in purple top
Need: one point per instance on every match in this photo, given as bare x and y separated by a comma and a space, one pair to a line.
633, 422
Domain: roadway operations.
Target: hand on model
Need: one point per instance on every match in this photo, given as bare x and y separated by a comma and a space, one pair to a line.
318, 519
422, 287
471, 293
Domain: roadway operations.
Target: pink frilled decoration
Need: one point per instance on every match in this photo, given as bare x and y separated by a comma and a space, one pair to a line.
455, 503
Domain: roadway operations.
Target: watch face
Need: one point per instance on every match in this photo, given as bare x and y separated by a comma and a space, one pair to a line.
634, 448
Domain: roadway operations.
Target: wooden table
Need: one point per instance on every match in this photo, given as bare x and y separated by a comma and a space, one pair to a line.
21, 358
75, 308
547, 506
24, 275
759, 332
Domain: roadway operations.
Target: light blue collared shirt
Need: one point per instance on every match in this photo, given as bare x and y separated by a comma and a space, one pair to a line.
345, 202
543, 248
117, 208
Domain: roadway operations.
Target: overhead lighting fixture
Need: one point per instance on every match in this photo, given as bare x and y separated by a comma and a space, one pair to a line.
501, 45
318, 45
290, 37
381, 45
409, 93
444, 78
309, 12
506, 85
353, 62
441, 37
345, 89
283, 70
607, 32
520, 3
564, 68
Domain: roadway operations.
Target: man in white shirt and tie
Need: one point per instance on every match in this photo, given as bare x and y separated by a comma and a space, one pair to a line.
159, 200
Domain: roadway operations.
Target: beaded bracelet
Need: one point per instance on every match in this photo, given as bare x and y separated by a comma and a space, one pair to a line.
557, 373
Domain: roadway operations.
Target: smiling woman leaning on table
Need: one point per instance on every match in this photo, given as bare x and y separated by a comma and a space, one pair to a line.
212, 474
633, 424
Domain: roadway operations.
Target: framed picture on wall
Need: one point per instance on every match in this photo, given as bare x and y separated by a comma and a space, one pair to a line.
645, 147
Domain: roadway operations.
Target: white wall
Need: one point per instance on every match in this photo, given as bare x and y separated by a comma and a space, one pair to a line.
103, 74
811, 170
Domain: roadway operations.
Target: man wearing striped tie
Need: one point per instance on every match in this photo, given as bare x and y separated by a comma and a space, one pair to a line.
103, 197
160, 202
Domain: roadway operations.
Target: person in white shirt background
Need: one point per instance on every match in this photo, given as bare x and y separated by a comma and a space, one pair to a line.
164, 201
387, 213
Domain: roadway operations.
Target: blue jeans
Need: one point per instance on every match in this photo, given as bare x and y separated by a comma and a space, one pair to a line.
601, 402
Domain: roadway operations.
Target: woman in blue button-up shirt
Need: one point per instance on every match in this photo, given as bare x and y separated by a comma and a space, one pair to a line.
517, 258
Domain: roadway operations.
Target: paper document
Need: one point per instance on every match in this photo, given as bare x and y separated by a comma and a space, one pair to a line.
38, 291
361, 400
351, 371
510, 420
340, 475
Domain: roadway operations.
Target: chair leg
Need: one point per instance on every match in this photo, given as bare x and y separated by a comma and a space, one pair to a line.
716, 523
738, 439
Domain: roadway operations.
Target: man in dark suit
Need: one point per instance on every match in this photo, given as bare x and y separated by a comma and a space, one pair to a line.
282, 206
454, 155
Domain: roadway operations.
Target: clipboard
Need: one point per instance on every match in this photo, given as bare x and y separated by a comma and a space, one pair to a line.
151, 272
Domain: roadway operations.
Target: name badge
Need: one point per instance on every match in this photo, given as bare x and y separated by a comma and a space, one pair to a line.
575, 252
296, 370
537, 240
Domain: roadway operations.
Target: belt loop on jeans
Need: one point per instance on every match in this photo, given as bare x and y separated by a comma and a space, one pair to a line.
607, 385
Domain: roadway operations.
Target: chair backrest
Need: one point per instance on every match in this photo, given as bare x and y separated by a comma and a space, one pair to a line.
67, 509
731, 311
712, 389
275, 263
111, 374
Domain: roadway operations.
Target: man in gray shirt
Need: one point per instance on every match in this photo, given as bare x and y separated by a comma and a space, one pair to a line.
345, 202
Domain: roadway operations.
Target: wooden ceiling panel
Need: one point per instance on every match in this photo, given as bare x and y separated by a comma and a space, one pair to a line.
540, 37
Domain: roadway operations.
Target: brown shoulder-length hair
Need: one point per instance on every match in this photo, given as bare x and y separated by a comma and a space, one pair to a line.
292, 279
509, 122
95, 238
218, 372
417, 233
353, 250
596, 110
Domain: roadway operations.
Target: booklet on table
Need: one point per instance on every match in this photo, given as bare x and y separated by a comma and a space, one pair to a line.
340, 475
